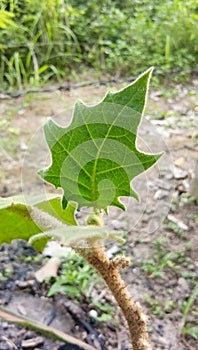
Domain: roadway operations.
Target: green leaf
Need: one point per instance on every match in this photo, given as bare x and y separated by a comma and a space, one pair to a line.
54, 208
191, 300
17, 222
61, 286
50, 204
95, 158
193, 331
6, 19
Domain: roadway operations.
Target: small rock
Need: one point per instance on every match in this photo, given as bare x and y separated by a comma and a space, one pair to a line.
4, 325
113, 250
23, 146
155, 95
118, 225
163, 184
168, 176
21, 112
153, 186
183, 285
93, 313
179, 162
186, 185
24, 284
160, 122
30, 275
178, 222
32, 343
160, 194
179, 174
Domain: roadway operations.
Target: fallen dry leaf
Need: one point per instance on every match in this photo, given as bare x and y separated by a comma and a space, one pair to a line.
50, 269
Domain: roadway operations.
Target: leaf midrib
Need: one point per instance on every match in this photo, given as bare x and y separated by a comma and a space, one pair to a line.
102, 144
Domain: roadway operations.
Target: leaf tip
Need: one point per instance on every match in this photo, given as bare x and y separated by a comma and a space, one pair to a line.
158, 156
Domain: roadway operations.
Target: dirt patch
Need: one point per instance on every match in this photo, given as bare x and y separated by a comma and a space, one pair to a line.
162, 240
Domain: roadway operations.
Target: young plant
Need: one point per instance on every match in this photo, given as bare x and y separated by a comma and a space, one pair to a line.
94, 160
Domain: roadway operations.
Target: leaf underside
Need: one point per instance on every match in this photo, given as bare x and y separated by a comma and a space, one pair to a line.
16, 220
95, 159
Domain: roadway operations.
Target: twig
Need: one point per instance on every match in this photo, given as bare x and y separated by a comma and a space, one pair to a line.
41, 328
67, 87
4, 95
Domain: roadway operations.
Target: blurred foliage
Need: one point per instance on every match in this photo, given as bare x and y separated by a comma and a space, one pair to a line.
77, 278
6, 19
45, 39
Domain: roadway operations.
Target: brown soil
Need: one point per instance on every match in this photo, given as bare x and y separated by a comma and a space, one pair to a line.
164, 222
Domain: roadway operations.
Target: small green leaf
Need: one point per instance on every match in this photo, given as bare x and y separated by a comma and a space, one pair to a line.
61, 287
104, 318
95, 159
191, 300
193, 331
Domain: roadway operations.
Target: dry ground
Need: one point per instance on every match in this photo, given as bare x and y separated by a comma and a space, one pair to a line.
162, 229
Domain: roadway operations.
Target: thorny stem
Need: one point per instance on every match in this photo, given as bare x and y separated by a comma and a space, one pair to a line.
109, 270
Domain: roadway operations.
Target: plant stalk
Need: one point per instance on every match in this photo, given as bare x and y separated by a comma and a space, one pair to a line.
109, 270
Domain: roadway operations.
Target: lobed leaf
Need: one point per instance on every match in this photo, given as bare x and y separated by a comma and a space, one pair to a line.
95, 159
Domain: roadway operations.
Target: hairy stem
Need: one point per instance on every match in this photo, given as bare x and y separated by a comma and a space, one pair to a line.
109, 270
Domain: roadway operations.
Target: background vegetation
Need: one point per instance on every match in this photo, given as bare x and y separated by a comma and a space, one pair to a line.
60, 39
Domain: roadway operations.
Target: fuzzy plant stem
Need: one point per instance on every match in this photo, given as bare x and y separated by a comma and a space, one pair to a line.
109, 270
